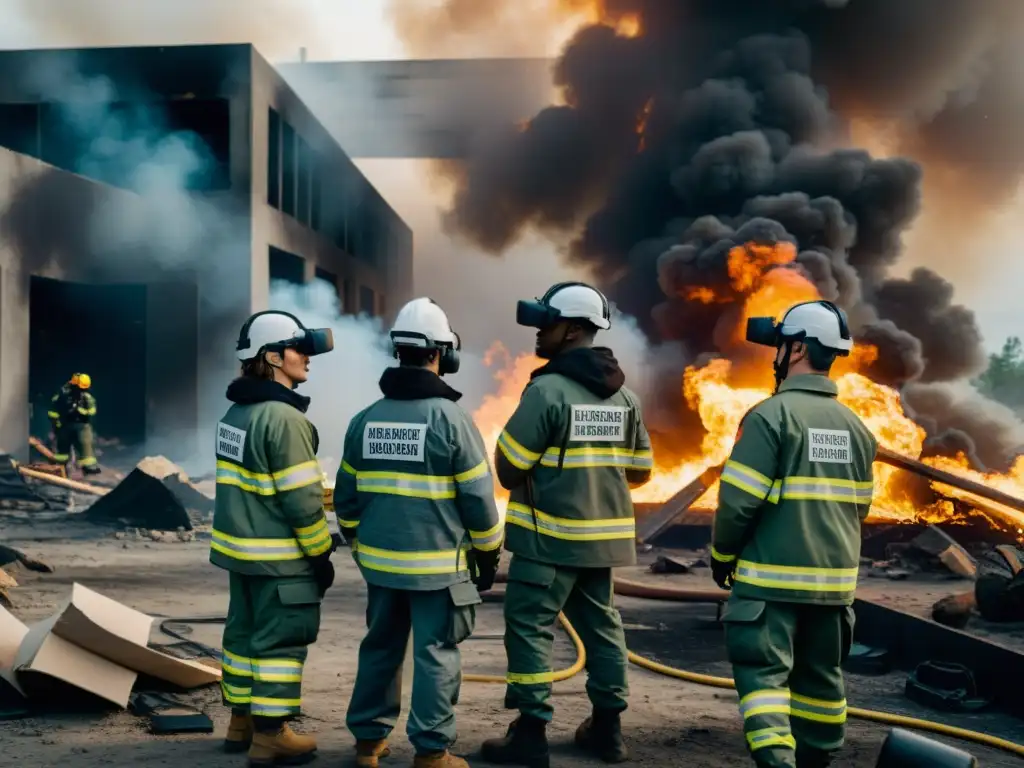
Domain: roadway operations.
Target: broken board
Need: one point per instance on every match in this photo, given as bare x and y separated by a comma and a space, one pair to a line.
15, 493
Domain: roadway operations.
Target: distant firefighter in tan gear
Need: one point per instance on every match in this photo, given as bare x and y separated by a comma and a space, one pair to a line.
270, 533
787, 542
71, 413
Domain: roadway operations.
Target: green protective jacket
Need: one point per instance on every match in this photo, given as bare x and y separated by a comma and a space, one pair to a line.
569, 455
414, 491
71, 406
793, 495
268, 516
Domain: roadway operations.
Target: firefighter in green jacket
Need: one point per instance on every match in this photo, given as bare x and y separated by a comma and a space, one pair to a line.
270, 534
787, 542
415, 498
569, 455
71, 413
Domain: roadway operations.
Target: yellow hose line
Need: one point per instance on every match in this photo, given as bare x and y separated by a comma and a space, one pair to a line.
725, 682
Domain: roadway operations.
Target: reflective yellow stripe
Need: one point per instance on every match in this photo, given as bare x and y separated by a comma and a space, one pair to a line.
643, 459
253, 482
407, 484
590, 456
255, 550
298, 476
838, 580
826, 489
770, 737
489, 540
268, 707
746, 479
773, 701
720, 557
818, 710
236, 665
277, 670
314, 539
235, 694
347, 523
529, 678
348, 468
423, 563
88, 461
61, 457
53, 414
569, 529
87, 411
517, 454
471, 475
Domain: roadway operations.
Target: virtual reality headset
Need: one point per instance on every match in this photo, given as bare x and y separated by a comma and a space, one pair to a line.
313, 341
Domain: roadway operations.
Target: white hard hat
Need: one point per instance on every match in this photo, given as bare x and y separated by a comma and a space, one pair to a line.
566, 301
274, 328
422, 323
822, 321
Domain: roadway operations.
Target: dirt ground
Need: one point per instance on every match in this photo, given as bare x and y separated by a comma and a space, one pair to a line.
669, 723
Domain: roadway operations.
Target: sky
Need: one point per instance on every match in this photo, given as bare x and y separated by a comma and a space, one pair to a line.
362, 30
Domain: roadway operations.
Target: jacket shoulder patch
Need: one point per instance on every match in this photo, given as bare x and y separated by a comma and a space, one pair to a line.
230, 442
394, 441
829, 446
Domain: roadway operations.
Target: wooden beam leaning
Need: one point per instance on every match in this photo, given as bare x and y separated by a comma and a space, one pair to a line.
908, 464
657, 522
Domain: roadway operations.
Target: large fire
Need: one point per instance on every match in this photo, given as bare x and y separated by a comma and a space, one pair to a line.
722, 391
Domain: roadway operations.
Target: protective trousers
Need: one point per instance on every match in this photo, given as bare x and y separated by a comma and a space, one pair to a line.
535, 594
438, 621
787, 661
270, 624
78, 437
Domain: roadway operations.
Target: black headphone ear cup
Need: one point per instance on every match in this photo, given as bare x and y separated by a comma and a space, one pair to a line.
450, 360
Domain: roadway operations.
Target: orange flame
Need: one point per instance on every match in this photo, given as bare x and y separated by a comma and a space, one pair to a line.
722, 391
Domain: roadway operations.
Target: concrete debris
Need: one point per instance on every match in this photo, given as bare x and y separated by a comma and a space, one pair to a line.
167, 537
157, 496
955, 610
669, 564
939, 544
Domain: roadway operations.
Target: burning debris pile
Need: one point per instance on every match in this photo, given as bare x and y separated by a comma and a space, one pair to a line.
701, 162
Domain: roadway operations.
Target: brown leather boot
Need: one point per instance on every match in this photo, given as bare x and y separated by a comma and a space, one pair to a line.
601, 736
369, 752
285, 747
239, 735
439, 760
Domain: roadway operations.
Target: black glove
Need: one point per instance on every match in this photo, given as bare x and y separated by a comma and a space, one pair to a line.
722, 573
483, 567
323, 572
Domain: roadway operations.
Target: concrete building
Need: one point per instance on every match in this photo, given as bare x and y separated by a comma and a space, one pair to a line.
428, 108
147, 198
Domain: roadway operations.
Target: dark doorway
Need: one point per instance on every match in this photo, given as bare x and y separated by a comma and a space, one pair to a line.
287, 266
94, 329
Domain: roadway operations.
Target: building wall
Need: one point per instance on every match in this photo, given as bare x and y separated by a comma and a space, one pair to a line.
426, 108
41, 234
333, 217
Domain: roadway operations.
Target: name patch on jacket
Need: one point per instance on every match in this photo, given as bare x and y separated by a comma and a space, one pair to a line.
829, 446
230, 441
598, 423
390, 440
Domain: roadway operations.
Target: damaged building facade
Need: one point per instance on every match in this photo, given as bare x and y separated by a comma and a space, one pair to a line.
148, 197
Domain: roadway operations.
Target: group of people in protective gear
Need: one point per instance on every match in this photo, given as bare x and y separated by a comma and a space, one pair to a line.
71, 413
414, 497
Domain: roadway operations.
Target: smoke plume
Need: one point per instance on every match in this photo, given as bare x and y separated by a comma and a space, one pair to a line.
710, 124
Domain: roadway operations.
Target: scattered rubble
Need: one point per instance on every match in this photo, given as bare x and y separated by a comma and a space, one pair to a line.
670, 564
955, 610
15, 493
157, 496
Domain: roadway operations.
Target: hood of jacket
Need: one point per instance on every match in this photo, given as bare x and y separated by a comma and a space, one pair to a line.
405, 383
246, 390
594, 367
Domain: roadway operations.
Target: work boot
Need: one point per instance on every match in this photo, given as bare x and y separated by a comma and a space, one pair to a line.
439, 760
283, 747
812, 758
239, 735
370, 751
601, 736
525, 743
91, 469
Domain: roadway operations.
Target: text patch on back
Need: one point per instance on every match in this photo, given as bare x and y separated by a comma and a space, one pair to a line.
598, 423
394, 441
230, 442
829, 446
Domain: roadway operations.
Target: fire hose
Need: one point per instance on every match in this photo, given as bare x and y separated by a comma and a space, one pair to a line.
628, 588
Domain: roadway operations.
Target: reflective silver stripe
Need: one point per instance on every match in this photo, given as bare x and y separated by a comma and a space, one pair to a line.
517, 454
643, 460
298, 477
818, 710
255, 549
279, 671
272, 710
571, 530
824, 489
746, 479
406, 485
764, 702
412, 563
808, 579
596, 458
488, 540
236, 665
228, 474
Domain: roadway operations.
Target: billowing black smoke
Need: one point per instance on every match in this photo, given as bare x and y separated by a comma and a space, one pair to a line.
746, 108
